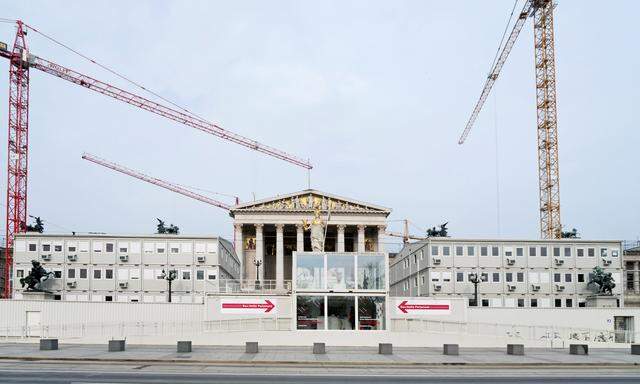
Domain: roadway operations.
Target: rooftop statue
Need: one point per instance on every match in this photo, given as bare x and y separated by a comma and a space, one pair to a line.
442, 232
603, 279
573, 234
36, 277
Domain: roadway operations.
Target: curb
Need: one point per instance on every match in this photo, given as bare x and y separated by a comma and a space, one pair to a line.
324, 363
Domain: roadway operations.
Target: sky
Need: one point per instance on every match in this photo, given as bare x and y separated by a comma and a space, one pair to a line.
374, 93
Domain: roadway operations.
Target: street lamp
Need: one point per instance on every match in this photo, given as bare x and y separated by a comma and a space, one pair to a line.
173, 274
257, 263
475, 279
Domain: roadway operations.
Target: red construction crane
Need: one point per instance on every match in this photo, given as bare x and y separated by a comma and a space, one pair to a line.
20, 62
547, 126
155, 181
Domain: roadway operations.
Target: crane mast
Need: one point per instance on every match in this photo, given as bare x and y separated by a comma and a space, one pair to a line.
547, 121
546, 108
18, 147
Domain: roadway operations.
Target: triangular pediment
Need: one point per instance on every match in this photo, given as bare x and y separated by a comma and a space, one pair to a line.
307, 201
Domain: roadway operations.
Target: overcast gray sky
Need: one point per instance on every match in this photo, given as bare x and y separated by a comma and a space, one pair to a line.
375, 93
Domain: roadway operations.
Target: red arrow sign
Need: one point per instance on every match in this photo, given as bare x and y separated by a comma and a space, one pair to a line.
404, 307
267, 306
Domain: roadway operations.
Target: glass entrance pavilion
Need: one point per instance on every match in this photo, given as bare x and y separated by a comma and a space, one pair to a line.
340, 291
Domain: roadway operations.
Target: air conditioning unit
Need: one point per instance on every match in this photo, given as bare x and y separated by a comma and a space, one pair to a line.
202, 259
559, 287
437, 261
559, 261
511, 288
123, 284
72, 284
535, 287
46, 257
124, 258
606, 262
511, 261
437, 287
72, 257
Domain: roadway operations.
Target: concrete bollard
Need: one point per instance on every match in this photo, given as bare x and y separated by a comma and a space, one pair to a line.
319, 349
385, 348
578, 349
515, 349
450, 349
251, 347
116, 345
48, 344
635, 349
184, 346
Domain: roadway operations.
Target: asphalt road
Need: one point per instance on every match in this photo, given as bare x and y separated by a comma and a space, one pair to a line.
35, 372
78, 378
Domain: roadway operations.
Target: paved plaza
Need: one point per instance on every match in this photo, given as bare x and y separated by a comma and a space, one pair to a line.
335, 356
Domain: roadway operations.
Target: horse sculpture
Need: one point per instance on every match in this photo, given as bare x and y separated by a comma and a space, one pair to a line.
36, 277
603, 279
442, 232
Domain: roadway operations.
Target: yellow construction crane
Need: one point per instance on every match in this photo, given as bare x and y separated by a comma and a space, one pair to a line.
548, 171
405, 233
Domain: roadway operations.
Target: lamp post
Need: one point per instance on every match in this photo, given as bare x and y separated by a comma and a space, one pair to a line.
475, 279
172, 275
257, 263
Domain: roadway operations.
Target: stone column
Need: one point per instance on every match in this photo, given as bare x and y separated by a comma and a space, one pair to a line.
636, 277
381, 231
238, 247
299, 238
361, 238
260, 250
340, 245
279, 256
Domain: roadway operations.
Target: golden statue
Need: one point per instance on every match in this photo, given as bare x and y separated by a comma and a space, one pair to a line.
317, 229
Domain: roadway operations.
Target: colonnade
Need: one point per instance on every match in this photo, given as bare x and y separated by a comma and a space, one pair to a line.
359, 246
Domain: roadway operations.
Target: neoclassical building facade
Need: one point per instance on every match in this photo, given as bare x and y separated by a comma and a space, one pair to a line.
268, 231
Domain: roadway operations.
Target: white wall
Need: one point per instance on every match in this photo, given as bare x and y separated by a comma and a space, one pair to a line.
13, 312
593, 318
189, 321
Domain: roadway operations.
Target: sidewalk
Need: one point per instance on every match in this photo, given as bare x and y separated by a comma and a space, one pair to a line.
335, 356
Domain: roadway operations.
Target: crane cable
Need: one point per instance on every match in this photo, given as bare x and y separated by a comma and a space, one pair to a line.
504, 34
112, 71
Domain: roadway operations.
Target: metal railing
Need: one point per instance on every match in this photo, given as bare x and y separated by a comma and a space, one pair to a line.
141, 328
551, 334
245, 286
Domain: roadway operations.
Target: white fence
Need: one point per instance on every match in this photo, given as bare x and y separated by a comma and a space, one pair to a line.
139, 328
551, 335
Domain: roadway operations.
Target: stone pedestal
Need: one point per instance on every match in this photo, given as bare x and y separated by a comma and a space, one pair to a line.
450, 349
319, 349
48, 344
515, 349
385, 349
34, 295
184, 346
251, 347
116, 345
578, 349
602, 301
